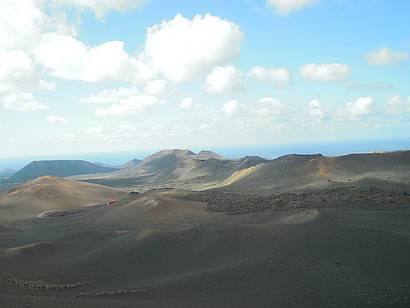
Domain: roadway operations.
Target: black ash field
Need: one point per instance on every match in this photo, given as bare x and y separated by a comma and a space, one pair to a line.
199, 230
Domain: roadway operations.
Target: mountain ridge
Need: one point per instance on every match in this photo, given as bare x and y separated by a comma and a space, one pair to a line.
61, 168
303, 171
181, 165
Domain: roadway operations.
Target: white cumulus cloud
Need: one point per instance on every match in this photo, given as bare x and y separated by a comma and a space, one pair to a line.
284, 7
356, 109
101, 7
186, 104
385, 56
68, 58
397, 105
158, 88
316, 110
178, 49
275, 76
325, 72
230, 108
224, 79
22, 101
111, 96
269, 106
182, 49
54, 119
16, 69
21, 23
129, 106
19, 72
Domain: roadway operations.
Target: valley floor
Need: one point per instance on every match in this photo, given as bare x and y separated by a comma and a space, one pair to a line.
153, 250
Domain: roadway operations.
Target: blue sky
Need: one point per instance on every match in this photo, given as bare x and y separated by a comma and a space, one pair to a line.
132, 75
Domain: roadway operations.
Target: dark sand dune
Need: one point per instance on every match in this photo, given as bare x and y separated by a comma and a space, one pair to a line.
156, 251
52, 193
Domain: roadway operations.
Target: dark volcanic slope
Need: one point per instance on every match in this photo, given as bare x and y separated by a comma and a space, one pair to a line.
132, 163
181, 165
255, 174
355, 164
52, 193
60, 168
160, 252
292, 172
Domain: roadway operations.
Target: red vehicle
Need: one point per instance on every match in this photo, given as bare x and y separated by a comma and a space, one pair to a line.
111, 202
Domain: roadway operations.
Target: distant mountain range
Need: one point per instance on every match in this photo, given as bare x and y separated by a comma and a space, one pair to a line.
60, 168
206, 170
390, 170
316, 172
178, 165
5, 173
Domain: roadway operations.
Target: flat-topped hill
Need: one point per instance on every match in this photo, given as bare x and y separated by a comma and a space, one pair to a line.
60, 168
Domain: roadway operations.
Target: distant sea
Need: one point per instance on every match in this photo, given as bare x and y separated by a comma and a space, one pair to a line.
266, 151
